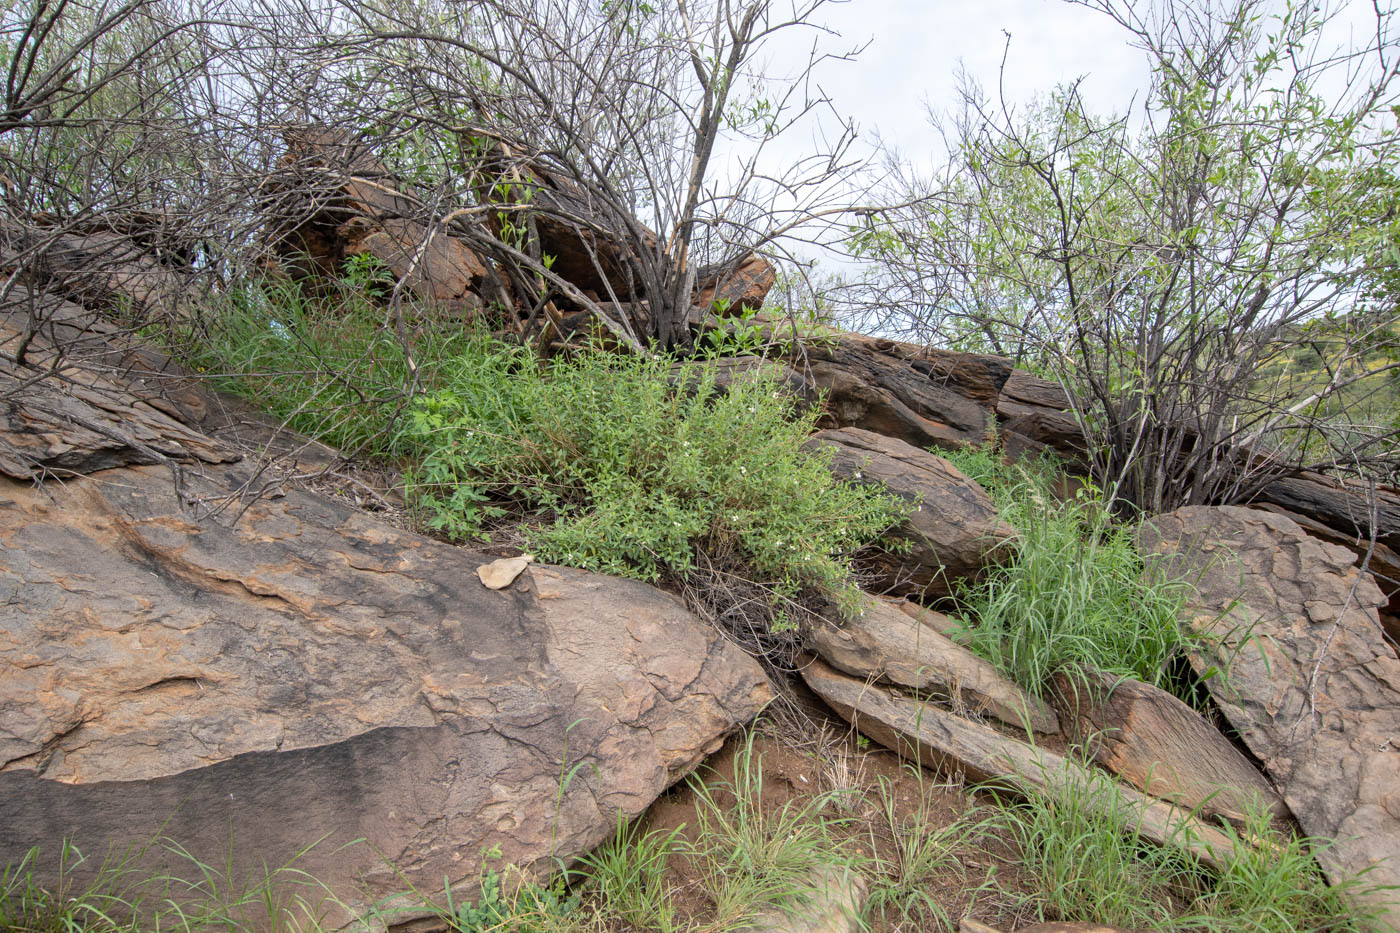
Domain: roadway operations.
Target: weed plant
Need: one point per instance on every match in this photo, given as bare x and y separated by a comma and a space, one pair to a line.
118, 895
627, 474
1071, 592
329, 366
1082, 850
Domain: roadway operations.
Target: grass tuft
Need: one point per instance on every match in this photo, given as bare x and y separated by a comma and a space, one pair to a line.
1073, 592
329, 367
1089, 863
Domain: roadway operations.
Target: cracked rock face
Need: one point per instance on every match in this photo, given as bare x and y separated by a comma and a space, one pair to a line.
250, 681
1313, 688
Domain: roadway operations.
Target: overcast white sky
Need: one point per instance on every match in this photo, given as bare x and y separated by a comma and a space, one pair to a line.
916, 48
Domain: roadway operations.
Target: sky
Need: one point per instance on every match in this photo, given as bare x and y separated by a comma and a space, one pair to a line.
917, 47
914, 51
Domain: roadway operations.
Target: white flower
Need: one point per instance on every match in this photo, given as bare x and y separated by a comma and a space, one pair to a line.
857, 474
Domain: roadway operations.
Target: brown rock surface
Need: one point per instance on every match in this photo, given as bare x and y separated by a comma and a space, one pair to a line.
1035, 416
927, 398
106, 270
938, 739
354, 207
1314, 691
1163, 747
1343, 507
305, 673
740, 286
888, 645
953, 528
1384, 565
593, 240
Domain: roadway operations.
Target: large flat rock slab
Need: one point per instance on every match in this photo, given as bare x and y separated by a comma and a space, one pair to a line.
1313, 687
1163, 747
251, 677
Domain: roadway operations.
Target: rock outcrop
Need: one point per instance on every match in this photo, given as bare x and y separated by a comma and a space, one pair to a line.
248, 668
1034, 415
1313, 687
953, 530
887, 645
926, 398
1163, 747
735, 286
284, 671
920, 731
354, 207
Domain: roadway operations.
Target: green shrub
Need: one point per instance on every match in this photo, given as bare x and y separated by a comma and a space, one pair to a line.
628, 475
1073, 592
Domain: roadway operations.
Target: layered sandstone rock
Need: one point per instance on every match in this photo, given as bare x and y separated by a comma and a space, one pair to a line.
952, 530
252, 677
887, 645
1313, 686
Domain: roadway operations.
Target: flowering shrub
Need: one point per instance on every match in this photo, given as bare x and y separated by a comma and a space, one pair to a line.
626, 473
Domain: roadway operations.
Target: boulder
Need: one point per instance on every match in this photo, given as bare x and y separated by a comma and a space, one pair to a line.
885, 644
834, 899
1163, 747
924, 397
1035, 416
594, 242
80, 420
952, 530
339, 201
249, 676
935, 738
736, 286
1313, 687
113, 401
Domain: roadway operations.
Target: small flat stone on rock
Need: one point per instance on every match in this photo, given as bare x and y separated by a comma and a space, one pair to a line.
501, 573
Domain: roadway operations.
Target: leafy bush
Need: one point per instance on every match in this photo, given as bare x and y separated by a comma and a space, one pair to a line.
630, 475
1073, 593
